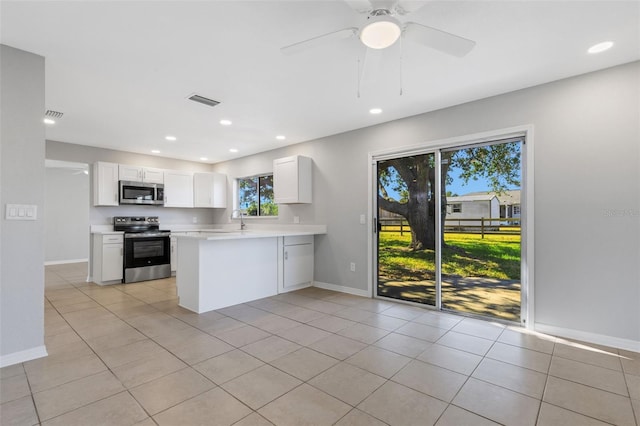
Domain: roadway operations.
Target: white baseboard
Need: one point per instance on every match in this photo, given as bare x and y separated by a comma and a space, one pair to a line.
294, 288
23, 356
62, 262
598, 339
341, 288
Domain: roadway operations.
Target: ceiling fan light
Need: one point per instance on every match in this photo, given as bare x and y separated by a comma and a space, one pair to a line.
380, 32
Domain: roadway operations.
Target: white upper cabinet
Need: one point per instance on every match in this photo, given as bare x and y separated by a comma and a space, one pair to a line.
105, 184
292, 180
152, 175
131, 173
210, 190
140, 174
178, 189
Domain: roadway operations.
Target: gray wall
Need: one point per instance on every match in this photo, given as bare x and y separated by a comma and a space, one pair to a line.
67, 219
22, 182
587, 192
104, 215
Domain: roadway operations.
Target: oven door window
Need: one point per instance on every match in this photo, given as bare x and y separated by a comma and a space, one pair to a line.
147, 251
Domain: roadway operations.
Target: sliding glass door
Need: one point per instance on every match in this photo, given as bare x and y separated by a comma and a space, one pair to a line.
449, 228
407, 228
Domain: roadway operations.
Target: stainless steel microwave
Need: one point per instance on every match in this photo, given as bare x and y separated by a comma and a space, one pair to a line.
141, 193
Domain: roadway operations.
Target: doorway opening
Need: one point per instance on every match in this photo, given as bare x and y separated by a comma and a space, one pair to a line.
67, 212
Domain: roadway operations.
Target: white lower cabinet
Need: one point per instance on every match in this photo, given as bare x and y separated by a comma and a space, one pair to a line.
297, 262
108, 250
174, 251
174, 255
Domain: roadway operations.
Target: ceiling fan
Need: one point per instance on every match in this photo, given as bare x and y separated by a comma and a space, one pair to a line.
383, 28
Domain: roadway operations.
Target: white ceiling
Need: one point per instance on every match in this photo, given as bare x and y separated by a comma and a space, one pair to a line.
121, 71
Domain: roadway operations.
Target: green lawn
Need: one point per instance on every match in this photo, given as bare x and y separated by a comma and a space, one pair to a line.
466, 255
480, 276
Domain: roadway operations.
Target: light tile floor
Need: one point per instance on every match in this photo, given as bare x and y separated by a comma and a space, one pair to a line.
128, 355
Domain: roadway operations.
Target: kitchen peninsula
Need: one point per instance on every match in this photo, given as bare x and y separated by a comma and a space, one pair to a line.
220, 268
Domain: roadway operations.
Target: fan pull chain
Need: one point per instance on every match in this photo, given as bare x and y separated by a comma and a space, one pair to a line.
401, 50
358, 79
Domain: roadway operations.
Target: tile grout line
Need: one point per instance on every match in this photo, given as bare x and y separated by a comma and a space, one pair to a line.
546, 381
339, 361
450, 403
125, 388
92, 350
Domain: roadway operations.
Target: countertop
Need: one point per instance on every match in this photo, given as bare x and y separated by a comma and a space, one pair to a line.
233, 234
225, 232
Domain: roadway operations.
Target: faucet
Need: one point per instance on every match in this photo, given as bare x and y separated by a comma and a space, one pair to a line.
242, 224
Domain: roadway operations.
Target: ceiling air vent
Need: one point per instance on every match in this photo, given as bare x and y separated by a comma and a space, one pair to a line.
203, 100
53, 114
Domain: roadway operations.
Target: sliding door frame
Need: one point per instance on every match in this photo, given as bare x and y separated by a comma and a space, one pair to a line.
527, 204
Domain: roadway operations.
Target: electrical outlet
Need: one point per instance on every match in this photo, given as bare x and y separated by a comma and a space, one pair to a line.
363, 219
352, 267
195, 219
296, 219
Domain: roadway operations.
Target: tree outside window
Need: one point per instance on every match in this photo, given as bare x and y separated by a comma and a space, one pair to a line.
255, 196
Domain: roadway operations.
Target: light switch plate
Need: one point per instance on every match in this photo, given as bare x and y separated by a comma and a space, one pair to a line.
21, 212
363, 219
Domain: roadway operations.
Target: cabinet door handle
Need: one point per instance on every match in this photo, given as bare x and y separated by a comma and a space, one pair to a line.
121, 251
286, 255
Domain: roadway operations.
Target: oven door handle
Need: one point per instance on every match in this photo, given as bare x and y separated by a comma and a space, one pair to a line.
148, 235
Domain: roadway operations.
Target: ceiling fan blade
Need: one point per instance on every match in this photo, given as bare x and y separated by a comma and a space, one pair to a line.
438, 39
359, 6
320, 40
405, 7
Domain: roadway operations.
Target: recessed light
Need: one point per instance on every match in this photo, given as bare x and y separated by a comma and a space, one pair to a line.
600, 47
203, 158
281, 137
155, 151
375, 111
49, 121
233, 150
171, 138
226, 122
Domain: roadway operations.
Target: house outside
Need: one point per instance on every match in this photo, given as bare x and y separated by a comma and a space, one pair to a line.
487, 205
476, 205
509, 203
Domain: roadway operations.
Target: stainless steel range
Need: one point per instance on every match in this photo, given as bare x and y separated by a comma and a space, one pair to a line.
147, 249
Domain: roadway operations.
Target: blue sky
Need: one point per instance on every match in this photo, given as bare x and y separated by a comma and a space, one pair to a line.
459, 187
